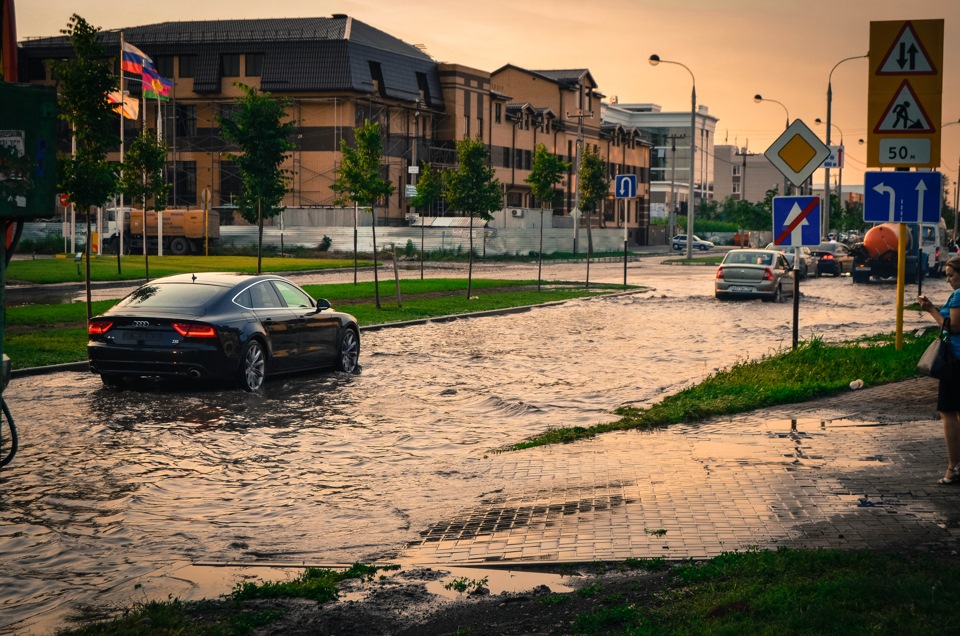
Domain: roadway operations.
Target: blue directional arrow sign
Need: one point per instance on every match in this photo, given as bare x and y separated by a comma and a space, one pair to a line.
626, 186
901, 197
796, 221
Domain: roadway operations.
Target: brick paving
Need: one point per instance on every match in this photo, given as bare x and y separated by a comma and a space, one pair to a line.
854, 471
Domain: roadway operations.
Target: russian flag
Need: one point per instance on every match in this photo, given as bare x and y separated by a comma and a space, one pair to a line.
133, 60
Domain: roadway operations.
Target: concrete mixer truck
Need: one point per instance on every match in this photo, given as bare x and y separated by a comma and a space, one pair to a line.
876, 256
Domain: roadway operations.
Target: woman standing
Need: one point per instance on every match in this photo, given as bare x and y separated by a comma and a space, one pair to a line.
948, 396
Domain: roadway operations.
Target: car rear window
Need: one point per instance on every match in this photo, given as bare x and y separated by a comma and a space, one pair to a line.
179, 295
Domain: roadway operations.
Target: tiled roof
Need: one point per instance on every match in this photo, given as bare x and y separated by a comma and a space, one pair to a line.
300, 54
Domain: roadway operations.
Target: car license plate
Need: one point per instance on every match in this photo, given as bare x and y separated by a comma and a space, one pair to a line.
741, 289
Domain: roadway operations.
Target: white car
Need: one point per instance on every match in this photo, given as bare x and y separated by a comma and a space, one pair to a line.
679, 242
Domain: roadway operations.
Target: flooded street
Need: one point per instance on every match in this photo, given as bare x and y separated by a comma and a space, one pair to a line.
110, 488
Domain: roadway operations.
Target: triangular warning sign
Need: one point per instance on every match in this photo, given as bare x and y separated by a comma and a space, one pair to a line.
907, 56
905, 114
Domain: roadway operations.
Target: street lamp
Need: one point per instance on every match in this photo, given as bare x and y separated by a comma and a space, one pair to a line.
654, 60
839, 168
760, 98
956, 186
826, 212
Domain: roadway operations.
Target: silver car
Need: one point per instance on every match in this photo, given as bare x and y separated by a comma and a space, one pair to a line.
679, 242
761, 274
808, 262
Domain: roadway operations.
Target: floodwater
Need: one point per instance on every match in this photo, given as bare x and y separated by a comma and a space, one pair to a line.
112, 489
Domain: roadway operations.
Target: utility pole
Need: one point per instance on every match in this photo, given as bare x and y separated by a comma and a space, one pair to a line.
576, 193
673, 181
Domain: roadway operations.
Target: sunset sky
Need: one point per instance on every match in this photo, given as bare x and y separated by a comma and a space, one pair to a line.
782, 49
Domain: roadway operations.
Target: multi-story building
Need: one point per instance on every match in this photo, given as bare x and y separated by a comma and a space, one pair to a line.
671, 163
338, 72
743, 175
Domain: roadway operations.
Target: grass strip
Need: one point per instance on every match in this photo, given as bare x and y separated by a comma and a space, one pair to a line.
813, 369
786, 591
792, 592
104, 268
41, 335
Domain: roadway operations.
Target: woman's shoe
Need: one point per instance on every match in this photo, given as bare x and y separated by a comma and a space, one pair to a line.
943, 481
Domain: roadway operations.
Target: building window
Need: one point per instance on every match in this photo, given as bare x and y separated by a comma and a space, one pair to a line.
164, 65
514, 200
188, 65
254, 64
183, 182
736, 170
498, 113
186, 120
424, 86
230, 65
376, 75
736, 187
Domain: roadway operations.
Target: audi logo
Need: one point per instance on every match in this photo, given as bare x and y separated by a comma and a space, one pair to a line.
141, 323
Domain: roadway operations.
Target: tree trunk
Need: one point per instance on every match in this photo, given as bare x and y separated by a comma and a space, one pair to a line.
540, 252
259, 238
589, 246
376, 276
470, 261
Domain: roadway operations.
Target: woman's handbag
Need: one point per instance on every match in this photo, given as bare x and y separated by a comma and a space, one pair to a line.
937, 361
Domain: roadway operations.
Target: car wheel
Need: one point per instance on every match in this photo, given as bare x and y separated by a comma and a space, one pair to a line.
253, 366
777, 296
348, 355
179, 246
115, 382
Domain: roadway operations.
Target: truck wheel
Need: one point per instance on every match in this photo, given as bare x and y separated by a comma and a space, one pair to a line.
179, 246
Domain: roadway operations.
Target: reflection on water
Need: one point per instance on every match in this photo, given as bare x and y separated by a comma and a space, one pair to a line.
111, 488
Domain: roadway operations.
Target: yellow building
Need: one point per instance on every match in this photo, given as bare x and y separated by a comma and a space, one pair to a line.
338, 72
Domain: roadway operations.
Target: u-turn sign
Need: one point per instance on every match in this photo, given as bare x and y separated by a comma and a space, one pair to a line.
626, 186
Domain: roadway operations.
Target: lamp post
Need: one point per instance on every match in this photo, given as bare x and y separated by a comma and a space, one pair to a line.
840, 160
956, 186
654, 60
760, 98
826, 171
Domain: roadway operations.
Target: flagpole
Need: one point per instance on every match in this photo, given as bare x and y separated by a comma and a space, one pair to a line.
118, 214
159, 210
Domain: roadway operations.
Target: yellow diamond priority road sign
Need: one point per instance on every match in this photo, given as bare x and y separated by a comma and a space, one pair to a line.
797, 153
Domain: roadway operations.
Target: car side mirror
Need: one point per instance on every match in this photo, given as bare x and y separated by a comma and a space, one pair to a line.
323, 304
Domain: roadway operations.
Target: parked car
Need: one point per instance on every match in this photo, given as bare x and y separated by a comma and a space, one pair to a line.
220, 326
807, 260
679, 242
753, 273
833, 258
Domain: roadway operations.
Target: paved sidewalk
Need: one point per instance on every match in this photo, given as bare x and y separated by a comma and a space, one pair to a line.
855, 471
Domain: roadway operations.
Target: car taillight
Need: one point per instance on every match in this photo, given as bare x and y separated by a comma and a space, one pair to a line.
98, 328
826, 257
719, 273
767, 274
190, 330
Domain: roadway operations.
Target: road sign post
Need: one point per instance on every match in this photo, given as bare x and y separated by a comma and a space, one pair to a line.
796, 222
625, 187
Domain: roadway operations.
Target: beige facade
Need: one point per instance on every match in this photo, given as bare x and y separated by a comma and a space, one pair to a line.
382, 79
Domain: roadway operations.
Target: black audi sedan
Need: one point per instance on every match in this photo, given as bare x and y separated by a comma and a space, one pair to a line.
220, 326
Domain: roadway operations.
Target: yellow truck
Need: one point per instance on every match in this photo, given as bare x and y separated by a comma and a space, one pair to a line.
183, 232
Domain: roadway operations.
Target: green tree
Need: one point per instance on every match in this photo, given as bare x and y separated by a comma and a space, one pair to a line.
473, 188
142, 180
546, 173
260, 132
84, 81
359, 180
594, 185
429, 191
